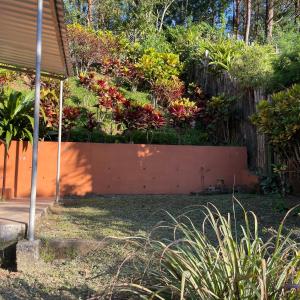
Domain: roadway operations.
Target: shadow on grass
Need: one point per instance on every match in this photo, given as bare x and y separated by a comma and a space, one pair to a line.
122, 216
20, 289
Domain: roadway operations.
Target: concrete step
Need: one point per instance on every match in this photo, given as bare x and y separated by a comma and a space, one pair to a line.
12, 232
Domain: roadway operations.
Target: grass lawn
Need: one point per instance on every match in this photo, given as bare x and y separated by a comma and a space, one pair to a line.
80, 276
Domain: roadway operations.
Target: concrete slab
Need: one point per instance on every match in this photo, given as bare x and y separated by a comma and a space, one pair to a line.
14, 217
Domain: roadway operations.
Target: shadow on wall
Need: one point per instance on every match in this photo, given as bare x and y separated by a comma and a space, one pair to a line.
9, 168
149, 169
76, 170
88, 168
104, 169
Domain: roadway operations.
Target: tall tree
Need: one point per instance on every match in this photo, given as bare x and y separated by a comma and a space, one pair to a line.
269, 19
90, 13
165, 8
248, 20
297, 11
237, 18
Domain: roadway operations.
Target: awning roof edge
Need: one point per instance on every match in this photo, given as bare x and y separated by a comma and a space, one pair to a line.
58, 10
18, 38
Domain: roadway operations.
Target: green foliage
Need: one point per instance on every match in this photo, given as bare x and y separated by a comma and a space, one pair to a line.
287, 64
182, 113
170, 136
156, 41
220, 261
156, 65
6, 76
253, 65
185, 40
16, 116
279, 120
166, 91
79, 95
220, 113
221, 54
269, 185
136, 96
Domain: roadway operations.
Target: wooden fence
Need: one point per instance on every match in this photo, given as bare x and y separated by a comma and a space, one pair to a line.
260, 155
242, 129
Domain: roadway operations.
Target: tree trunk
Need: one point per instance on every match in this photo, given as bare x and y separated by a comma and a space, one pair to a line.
256, 19
248, 20
269, 19
297, 11
165, 9
90, 13
237, 18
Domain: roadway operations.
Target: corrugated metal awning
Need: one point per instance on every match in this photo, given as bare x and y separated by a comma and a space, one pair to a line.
18, 36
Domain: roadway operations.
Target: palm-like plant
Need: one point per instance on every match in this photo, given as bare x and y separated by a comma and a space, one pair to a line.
16, 120
219, 262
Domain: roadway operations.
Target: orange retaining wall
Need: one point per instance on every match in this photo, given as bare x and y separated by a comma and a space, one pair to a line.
124, 168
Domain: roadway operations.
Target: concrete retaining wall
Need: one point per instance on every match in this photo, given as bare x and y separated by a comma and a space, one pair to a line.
125, 168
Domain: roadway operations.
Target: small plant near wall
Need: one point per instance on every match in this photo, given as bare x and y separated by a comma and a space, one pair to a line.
139, 117
69, 119
182, 114
48, 113
89, 122
16, 110
219, 115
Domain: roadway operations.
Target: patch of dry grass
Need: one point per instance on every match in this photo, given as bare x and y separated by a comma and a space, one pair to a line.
120, 217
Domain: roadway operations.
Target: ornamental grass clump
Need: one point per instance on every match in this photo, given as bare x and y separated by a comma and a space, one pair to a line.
222, 260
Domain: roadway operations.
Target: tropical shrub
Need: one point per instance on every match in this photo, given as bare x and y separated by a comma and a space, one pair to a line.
126, 73
159, 66
219, 260
186, 40
108, 96
219, 114
6, 76
253, 66
157, 41
16, 110
279, 120
182, 112
69, 119
221, 54
141, 117
84, 47
287, 62
166, 91
48, 112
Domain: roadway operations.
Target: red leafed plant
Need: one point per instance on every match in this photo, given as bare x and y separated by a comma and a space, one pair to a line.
49, 108
109, 96
166, 91
70, 115
183, 112
84, 47
92, 122
139, 117
2, 80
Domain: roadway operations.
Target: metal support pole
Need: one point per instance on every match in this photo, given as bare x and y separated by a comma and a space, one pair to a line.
36, 120
59, 141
